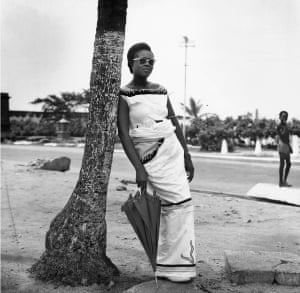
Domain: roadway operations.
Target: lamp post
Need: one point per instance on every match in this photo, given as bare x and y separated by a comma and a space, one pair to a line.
187, 44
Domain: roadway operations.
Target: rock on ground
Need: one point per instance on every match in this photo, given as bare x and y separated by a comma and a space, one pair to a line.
262, 267
59, 164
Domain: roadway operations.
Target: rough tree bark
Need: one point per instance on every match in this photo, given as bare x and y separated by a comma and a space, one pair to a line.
76, 241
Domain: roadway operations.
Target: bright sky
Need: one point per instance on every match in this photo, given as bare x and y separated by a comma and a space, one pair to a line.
246, 53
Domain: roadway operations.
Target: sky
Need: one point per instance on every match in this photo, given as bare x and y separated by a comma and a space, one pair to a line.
245, 54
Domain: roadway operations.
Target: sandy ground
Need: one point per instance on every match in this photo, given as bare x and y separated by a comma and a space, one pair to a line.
31, 198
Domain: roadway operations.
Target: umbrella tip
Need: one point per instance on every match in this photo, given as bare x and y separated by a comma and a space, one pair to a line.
156, 281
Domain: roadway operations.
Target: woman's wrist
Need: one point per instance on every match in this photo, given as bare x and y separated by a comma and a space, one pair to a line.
140, 168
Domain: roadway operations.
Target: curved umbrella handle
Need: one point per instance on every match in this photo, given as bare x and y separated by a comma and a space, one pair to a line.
144, 191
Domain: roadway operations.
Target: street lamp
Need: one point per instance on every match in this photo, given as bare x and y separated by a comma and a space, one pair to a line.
187, 44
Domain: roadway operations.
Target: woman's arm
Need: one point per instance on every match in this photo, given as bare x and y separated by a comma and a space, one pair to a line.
187, 157
123, 131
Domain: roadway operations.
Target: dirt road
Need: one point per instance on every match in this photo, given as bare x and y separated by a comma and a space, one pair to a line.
31, 198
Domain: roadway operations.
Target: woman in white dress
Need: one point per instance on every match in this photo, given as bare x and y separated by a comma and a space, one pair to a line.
154, 143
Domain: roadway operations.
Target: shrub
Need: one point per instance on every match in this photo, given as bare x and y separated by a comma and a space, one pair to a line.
30, 126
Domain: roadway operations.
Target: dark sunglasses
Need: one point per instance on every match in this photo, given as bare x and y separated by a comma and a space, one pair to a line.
143, 60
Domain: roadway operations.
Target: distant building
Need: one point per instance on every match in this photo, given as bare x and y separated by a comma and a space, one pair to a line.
39, 114
5, 123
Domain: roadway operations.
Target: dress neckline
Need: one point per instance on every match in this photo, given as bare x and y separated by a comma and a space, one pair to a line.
129, 92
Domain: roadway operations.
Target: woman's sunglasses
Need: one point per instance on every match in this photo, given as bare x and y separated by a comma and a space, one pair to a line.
143, 60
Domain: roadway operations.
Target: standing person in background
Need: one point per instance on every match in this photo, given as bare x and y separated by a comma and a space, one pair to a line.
154, 143
284, 149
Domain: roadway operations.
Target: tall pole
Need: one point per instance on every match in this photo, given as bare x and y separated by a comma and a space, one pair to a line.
184, 91
187, 44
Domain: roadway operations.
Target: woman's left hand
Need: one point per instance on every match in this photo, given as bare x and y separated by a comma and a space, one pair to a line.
189, 167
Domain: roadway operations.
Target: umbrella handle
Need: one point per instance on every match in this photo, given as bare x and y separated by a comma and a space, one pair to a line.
144, 191
141, 191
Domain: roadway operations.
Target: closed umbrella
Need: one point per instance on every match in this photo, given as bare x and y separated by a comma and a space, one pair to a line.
143, 213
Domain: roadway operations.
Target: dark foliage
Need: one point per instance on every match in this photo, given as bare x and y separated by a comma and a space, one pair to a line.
209, 132
32, 127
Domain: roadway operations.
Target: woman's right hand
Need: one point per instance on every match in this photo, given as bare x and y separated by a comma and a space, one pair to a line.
141, 179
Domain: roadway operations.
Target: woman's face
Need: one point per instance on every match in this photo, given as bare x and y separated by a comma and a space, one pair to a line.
143, 63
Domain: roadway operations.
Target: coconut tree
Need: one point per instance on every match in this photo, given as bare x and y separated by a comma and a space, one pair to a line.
75, 243
194, 108
64, 103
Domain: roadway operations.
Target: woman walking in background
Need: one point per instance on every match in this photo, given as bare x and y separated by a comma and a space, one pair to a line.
154, 143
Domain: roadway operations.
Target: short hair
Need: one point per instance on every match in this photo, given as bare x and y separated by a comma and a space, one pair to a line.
133, 50
283, 112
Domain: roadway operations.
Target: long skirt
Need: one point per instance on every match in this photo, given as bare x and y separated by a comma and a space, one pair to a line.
167, 176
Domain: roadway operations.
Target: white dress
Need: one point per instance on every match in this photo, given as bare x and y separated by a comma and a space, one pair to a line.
167, 176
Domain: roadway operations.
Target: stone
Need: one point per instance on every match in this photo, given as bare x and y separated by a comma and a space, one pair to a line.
244, 267
224, 147
288, 274
121, 188
128, 181
257, 149
59, 164
272, 192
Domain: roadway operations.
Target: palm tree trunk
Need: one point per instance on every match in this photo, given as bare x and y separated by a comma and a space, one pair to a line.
76, 241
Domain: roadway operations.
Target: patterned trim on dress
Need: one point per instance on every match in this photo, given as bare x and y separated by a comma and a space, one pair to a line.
176, 203
128, 92
191, 258
147, 158
173, 266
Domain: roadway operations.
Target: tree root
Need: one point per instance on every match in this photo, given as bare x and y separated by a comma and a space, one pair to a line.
73, 269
